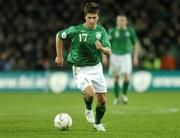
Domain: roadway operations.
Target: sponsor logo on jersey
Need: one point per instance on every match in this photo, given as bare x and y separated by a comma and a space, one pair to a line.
83, 31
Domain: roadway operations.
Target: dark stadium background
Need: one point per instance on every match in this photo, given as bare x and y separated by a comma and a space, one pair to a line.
28, 29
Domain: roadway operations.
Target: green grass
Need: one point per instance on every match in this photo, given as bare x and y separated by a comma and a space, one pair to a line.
147, 115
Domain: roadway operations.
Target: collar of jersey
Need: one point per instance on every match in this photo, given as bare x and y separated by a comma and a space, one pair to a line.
121, 28
88, 27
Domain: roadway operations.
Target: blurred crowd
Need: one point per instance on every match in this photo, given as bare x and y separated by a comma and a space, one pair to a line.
28, 29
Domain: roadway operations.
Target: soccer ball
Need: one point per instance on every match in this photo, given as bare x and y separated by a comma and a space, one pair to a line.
63, 121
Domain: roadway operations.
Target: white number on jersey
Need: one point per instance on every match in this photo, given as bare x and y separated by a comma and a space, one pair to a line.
83, 37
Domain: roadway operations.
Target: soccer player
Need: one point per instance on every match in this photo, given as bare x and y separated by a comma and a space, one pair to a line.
124, 44
88, 41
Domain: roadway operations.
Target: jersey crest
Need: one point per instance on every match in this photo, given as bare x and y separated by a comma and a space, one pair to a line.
117, 34
127, 34
64, 35
98, 35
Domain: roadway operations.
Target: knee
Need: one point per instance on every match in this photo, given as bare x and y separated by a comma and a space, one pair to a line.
89, 91
102, 103
101, 100
127, 77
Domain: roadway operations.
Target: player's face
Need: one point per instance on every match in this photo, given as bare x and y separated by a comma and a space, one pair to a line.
91, 19
121, 21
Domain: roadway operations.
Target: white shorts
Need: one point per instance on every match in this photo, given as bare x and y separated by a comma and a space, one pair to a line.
90, 75
120, 64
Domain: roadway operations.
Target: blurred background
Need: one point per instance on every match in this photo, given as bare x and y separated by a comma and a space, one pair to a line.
27, 42
28, 29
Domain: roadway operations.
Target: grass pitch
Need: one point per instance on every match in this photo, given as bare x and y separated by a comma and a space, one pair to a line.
147, 115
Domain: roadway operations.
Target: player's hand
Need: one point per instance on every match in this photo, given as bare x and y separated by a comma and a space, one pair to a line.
59, 61
98, 45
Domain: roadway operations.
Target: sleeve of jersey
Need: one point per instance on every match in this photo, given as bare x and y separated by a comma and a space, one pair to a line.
66, 33
105, 39
134, 37
110, 31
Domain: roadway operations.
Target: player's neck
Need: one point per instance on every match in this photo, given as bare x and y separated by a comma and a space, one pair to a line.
89, 26
121, 27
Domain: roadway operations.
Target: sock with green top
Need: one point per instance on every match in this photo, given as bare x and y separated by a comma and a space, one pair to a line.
125, 87
88, 101
116, 89
100, 110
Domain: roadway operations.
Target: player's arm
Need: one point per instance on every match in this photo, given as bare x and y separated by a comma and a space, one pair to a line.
105, 60
135, 42
105, 50
59, 53
110, 34
104, 46
61, 35
135, 53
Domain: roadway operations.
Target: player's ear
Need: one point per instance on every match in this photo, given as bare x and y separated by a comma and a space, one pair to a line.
85, 15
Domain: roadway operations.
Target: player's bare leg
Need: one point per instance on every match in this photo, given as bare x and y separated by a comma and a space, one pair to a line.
100, 110
89, 93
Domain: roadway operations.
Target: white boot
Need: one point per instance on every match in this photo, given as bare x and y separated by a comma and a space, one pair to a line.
89, 115
99, 127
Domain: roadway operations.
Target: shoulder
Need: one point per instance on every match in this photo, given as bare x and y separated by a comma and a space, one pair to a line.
100, 27
111, 30
131, 29
74, 29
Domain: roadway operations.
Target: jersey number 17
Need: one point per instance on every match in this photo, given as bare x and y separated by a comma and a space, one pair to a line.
83, 37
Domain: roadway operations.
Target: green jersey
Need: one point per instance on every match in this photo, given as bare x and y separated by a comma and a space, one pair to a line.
122, 40
83, 50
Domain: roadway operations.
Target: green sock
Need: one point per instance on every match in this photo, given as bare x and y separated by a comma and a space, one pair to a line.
100, 110
116, 89
88, 101
125, 87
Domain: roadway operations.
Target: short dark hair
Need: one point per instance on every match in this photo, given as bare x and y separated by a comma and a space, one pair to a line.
92, 7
